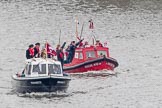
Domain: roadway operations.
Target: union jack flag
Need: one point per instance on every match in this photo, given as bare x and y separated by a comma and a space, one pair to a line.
50, 50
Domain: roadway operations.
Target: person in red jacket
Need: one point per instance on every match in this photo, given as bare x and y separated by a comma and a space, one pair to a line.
37, 50
60, 53
30, 52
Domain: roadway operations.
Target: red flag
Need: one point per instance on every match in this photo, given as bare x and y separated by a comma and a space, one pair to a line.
50, 50
91, 26
105, 44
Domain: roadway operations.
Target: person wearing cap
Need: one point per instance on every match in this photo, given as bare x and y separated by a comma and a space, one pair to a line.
30, 52
37, 50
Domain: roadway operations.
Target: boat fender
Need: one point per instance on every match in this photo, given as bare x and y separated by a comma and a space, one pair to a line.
23, 75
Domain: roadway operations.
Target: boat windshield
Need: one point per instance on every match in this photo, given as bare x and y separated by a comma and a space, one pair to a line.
90, 54
40, 68
54, 68
102, 53
28, 69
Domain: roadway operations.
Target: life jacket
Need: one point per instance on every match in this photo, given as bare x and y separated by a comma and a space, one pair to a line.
31, 52
81, 44
66, 53
61, 55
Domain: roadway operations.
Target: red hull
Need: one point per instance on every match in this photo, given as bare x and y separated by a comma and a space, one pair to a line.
90, 59
91, 65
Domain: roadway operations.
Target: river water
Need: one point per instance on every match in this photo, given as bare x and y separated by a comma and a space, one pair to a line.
132, 29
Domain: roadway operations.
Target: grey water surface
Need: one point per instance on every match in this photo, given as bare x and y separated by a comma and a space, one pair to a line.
132, 29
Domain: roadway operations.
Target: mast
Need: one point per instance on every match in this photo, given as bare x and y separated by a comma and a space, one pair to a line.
91, 27
76, 32
46, 49
59, 36
81, 30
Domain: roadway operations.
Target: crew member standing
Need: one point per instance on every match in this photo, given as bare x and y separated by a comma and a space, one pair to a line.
60, 53
37, 50
72, 48
30, 52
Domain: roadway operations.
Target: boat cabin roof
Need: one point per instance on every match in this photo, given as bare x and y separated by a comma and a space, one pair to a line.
41, 60
42, 67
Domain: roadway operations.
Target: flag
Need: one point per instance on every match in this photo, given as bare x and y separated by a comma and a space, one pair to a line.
50, 50
77, 22
105, 44
91, 26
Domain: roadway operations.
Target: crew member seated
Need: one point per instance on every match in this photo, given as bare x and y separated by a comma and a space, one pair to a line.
98, 43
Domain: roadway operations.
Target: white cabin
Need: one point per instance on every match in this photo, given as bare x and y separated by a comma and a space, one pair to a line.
42, 67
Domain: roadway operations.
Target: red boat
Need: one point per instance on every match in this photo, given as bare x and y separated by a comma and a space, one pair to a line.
92, 58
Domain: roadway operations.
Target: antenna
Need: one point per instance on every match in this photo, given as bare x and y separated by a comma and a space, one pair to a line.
59, 36
81, 30
76, 32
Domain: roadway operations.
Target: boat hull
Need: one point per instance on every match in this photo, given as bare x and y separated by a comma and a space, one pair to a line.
92, 65
40, 84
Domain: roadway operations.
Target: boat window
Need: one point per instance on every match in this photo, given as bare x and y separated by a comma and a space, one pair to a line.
76, 55
90, 54
54, 68
79, 55
36, 68
101, 53
43, 69
50, 68
28, 69
40, 68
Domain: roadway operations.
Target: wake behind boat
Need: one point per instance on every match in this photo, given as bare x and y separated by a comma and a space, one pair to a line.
41, 75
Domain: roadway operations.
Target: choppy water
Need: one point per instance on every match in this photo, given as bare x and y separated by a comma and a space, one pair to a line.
131, 27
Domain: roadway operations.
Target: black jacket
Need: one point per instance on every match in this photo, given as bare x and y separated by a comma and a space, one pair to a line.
28, 56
